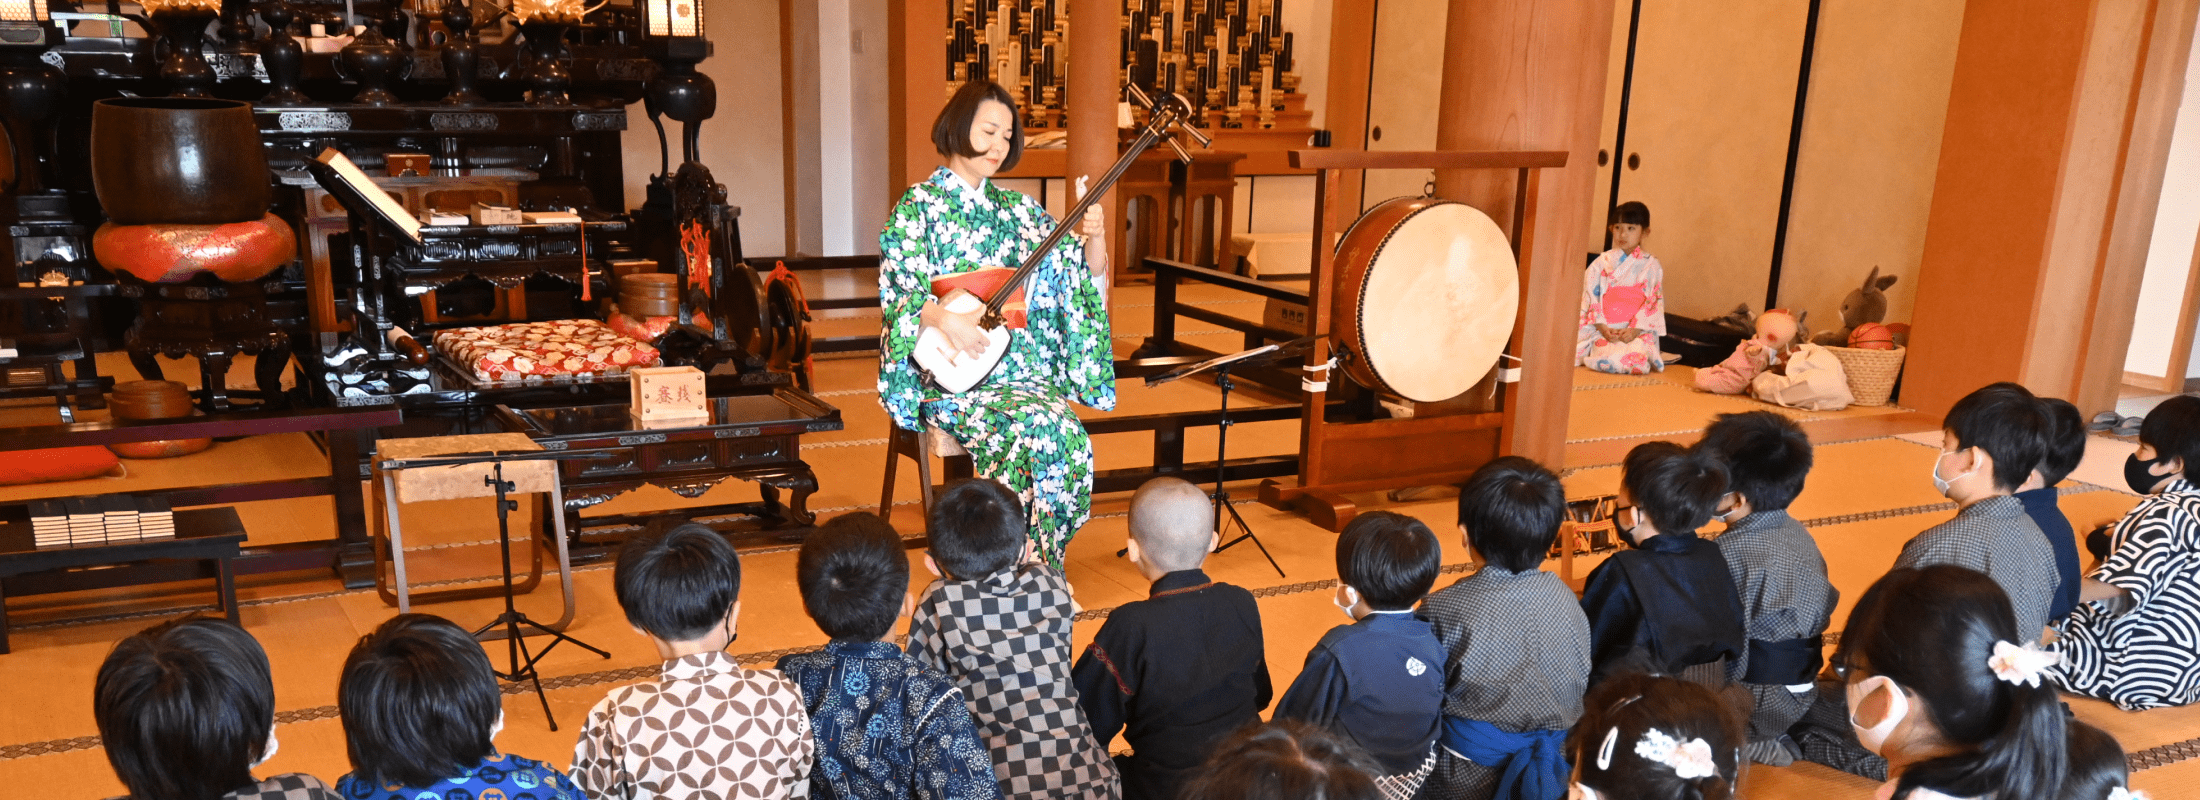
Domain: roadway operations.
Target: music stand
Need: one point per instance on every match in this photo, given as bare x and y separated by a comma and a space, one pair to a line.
1221, 366
515, 622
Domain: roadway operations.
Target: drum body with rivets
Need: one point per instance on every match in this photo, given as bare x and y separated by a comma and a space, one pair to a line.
1427, 291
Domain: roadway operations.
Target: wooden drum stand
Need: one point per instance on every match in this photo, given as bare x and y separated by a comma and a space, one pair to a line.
1443, 442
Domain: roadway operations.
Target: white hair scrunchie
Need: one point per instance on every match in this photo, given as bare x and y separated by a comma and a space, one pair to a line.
2025, 665
1690, 760
2124, 793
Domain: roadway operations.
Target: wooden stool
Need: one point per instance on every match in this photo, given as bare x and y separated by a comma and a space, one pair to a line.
395, 488
1201, 235
922, 447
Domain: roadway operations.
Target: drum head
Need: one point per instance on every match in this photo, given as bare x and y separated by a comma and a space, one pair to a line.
1438, 303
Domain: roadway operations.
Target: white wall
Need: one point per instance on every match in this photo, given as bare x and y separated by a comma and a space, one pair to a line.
741, 144
2169, 255
839, 99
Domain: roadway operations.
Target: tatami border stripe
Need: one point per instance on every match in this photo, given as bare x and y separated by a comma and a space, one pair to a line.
2143, 760
628, 674
1620, 385
2149, 758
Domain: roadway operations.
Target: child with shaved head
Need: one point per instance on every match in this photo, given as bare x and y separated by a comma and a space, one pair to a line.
1180, 670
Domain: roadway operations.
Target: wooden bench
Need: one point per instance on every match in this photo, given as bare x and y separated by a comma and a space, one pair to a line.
202, 534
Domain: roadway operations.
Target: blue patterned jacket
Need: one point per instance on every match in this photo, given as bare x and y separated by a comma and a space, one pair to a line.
887, 727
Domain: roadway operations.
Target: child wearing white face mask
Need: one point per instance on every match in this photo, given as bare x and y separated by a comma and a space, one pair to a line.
1649, 737
421, 711
1991, 441
1937, 684
1778, 572
1379, 681
1667, 605
186, 709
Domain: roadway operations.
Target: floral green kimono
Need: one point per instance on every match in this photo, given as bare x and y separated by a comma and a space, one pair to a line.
1017, 425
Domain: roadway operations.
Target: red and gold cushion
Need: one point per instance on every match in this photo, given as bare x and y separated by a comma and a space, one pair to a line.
544, 349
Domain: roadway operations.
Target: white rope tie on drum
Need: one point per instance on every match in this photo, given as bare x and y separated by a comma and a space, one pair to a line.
1317, 377
1509, 374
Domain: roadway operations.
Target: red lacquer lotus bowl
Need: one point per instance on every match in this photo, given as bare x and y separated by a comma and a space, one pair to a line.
239, 251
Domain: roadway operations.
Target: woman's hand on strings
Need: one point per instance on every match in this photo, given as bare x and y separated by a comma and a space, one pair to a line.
1095, 224
961, 330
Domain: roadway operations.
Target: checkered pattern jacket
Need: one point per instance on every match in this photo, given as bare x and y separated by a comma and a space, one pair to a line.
1996, 537
1005, 640
288, 786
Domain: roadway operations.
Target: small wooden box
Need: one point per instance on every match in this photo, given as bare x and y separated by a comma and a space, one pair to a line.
399, 164
1283, 315
662, 393
485, 214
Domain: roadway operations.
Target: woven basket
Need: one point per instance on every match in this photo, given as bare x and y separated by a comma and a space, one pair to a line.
1871, 373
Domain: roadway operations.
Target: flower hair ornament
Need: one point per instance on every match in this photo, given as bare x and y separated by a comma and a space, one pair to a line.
1690, 760
2025, 665
2123, 793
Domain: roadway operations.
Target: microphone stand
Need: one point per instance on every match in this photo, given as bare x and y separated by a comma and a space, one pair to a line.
1221, 367
516, 624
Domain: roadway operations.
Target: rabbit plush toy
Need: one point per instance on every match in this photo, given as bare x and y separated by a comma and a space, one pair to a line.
1866, 304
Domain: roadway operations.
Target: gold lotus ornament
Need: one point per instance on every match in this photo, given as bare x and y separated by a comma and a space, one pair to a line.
166, 7
559, 12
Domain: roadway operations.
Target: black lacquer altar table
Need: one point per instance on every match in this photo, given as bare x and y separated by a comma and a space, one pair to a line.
756, 437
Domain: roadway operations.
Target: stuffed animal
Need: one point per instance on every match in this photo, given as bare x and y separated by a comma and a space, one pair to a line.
1776, 334
1866, 304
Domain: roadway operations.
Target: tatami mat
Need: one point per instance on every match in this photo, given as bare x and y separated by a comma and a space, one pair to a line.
1869, 493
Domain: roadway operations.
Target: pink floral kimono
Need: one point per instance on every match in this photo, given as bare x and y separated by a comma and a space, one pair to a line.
1622, 290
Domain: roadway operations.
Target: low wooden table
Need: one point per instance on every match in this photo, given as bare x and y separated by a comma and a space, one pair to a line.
756, 438
204, 534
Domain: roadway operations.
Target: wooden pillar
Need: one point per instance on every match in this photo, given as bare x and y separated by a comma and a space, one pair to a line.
916, 41
2027, 255
1351, 52
2154, 117
1094, 47
1529, 75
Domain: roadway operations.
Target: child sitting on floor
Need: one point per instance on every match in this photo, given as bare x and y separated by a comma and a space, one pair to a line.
1668, 605
1379, 681
186, 709
1940, 680
421, 711
1286, 759
998, 622
2128, 641
1623, 301
2064, 448
1516, 644
735, 732
1779, 573
1180, 670
1990, 443
886, 725
1655, 738
1777, 335
2098, 766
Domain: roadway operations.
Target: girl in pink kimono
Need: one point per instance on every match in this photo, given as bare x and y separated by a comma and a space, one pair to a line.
1623, 301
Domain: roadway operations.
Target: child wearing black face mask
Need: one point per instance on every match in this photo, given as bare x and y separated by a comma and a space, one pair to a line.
1668, 605
2123, 640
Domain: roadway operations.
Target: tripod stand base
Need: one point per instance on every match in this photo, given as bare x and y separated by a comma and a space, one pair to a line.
514, 626
1246, 532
